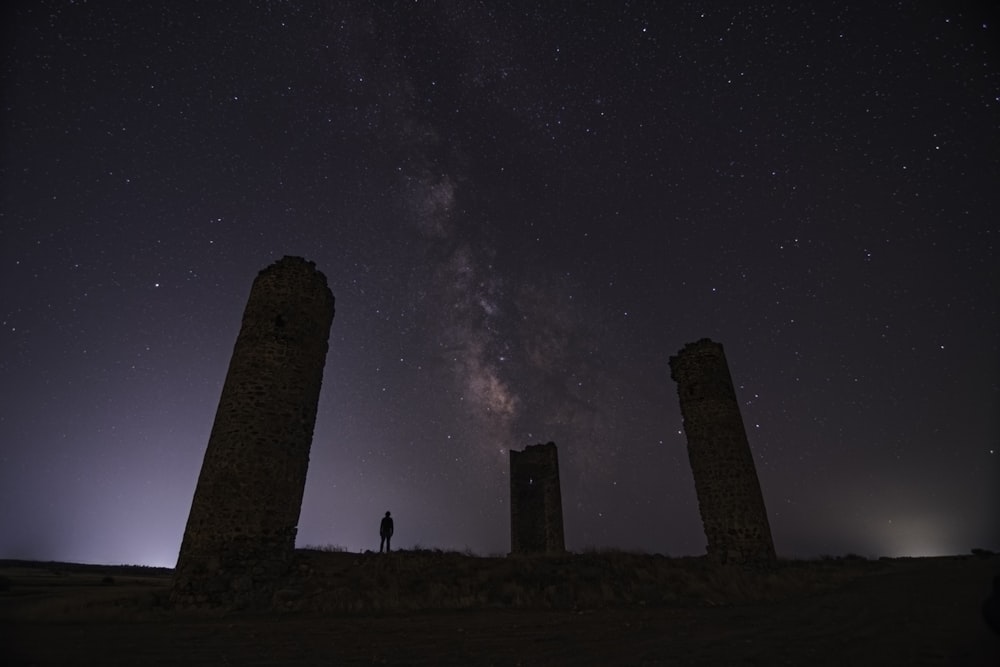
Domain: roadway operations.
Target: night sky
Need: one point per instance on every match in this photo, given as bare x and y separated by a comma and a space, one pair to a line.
523, 210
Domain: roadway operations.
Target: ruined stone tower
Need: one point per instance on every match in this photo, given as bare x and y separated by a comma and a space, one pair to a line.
240, 534
536, 522
725, 478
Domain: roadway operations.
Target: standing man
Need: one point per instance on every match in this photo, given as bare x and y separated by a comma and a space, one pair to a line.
385, 532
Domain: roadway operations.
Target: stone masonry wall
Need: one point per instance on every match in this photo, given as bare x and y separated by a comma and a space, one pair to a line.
725, 478
536, 521
240, 534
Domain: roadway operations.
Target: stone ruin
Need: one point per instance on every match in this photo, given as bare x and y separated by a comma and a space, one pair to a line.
536, 521
725, 478
240, 534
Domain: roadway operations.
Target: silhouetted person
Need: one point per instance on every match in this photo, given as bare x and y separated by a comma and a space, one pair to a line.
991, 607
385, 532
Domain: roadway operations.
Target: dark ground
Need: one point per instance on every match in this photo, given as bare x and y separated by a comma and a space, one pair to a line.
900, 612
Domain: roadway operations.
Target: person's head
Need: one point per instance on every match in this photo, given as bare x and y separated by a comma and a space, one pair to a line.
387, 514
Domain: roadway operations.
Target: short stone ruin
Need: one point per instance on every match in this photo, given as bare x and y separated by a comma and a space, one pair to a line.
536, 521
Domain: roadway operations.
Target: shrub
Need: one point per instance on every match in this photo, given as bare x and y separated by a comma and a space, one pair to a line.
329, 548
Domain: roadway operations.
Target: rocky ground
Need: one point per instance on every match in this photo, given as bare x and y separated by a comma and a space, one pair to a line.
433, 608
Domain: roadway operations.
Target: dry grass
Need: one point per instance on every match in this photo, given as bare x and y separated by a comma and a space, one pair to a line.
43, 591
599, 607
333, 580
422, 579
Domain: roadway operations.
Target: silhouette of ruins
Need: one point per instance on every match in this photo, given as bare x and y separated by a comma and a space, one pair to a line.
536, 521
725, 478
240, 534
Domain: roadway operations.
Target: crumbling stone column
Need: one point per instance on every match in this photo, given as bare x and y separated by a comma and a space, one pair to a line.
536, 522
725, 478
240, 534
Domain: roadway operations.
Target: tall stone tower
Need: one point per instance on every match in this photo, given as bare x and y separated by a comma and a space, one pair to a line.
536, 522
240, 534
725, 478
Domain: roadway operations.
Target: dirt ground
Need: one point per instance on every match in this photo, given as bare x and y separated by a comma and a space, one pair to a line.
912, 612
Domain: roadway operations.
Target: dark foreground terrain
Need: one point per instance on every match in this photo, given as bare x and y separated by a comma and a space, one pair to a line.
428, 608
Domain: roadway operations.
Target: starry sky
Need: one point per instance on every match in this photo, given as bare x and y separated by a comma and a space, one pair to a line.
523, 210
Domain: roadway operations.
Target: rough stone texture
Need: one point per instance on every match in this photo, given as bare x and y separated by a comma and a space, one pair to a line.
536, 522
240, 534
725, 479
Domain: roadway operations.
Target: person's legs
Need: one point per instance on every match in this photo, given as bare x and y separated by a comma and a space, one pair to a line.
388, 539
381, 544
